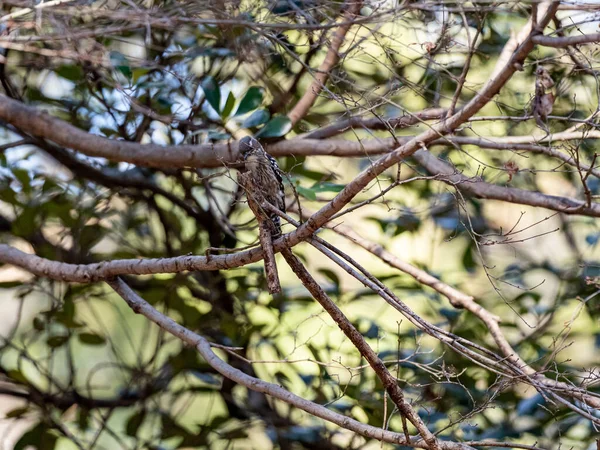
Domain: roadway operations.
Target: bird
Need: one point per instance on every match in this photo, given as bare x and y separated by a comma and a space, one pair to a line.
543, 101
266, 176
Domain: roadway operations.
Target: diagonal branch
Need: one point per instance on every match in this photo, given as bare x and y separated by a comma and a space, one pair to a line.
331, 59
389, 382
140, 306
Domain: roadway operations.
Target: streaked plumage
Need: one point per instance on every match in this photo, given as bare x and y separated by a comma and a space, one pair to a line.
266, 175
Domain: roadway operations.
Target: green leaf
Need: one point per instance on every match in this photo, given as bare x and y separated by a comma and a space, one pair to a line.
134, 423
90, 235
10, 284
83, 418
218, 136
57, 341
257, 118
252, 100
276, 127
170, 429
17, 412
24, 179
139, 72
468, 259
70, 72
17, 375
311, 192
68, 310
207, 378
236, 433
212, 92
38, 324
9, 196
38, 437
228, 105
91, 339
327, 187
306, 192
66, 319
121, 63
26, 223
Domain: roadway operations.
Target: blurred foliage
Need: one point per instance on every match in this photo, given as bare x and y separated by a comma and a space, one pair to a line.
85, 371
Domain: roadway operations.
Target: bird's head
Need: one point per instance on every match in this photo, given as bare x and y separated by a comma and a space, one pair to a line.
248, 145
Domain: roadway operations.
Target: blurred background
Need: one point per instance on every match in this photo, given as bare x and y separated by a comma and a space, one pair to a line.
78, 369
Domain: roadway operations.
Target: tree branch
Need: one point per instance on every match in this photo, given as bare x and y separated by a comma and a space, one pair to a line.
483, 189
331, 59
140, 306
389, 382
566, 41
375, 123
44, 126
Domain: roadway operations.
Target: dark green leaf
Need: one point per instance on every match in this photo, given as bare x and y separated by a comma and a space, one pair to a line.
450, 314
326, 186
83, 418
17, 375
89, 236
121, 63
38, 437
10, 284
228, 105
212, 92
207, 378
70, 72
257, 118
592, 239
38, 324
218, 136
9, 196
57, 341
276, 127
24, 178
236, 433
134, 423
26, 223
468, 259
17, 412
91, 339
252, 100
372, 332
66, 316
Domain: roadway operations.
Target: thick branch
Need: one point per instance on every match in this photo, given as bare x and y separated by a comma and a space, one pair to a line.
482, 189
45, 126
42, 125
566, 41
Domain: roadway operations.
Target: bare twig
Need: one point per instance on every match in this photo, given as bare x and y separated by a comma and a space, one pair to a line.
331, 59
